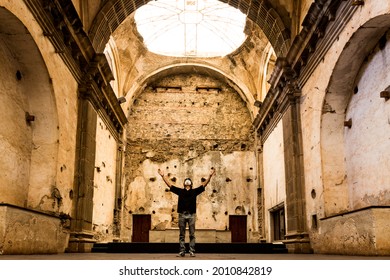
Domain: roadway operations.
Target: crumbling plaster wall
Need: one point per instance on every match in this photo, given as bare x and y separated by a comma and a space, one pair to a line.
26, 232
15, 150
364, 232
104, 183
46, 89
64, 101
343, 196
185, 132
27, 145
367, 142
244, 66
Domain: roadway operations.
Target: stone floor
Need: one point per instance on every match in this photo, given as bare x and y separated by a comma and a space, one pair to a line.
199, 256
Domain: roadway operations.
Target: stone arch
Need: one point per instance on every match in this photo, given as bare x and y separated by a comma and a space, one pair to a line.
240, 87
337, 190
113, 13
29, 121
268, 65
185, 131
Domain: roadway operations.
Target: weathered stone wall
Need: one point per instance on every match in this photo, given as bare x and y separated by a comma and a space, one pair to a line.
367, 141
343, 166
29, 232
364, 232
104, 184
37, 156
15, 134
185, 132
274, 176
55, 85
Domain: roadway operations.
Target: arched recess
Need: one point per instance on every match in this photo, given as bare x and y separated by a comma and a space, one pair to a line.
338, 186
28, 121
268, 65
113, 13
186, 119
203, 69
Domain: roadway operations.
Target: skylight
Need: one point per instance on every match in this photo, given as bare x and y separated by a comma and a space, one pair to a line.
190, 28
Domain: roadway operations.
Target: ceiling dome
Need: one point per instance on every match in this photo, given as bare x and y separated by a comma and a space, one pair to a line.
190, 28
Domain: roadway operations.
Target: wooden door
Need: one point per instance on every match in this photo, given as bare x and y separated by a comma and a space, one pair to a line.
237, 226
141, 227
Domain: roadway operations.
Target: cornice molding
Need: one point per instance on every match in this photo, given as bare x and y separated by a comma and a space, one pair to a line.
61, 24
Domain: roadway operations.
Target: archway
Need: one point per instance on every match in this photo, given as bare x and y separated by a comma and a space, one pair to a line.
186, 122
29, 121
337, 157
28, 145
194, 67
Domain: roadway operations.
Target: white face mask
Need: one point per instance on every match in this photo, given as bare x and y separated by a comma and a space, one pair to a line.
187, 182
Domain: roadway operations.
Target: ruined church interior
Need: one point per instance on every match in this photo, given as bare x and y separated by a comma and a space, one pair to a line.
287, 100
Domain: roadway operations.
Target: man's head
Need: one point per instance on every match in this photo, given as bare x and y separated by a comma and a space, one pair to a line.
187, 183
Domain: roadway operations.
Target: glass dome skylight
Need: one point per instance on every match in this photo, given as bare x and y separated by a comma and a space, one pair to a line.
195, 28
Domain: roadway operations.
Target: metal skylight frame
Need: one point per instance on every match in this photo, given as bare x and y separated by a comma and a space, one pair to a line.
190, 28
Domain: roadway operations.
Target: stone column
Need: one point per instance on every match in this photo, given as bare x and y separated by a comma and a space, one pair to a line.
81, 237
297, 238
260, 189
118, 192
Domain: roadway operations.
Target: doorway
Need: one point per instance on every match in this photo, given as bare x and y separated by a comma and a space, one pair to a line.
278, 223
237, 226
141, 226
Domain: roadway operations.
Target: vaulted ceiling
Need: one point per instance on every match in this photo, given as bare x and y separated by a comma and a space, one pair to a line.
268, 25
274, 19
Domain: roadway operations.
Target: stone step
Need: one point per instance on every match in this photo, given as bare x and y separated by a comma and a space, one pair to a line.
227, 248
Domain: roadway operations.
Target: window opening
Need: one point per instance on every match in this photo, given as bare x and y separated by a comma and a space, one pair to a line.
190, 28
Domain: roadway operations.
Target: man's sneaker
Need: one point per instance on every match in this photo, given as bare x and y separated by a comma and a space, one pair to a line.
192, 254
181, 254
